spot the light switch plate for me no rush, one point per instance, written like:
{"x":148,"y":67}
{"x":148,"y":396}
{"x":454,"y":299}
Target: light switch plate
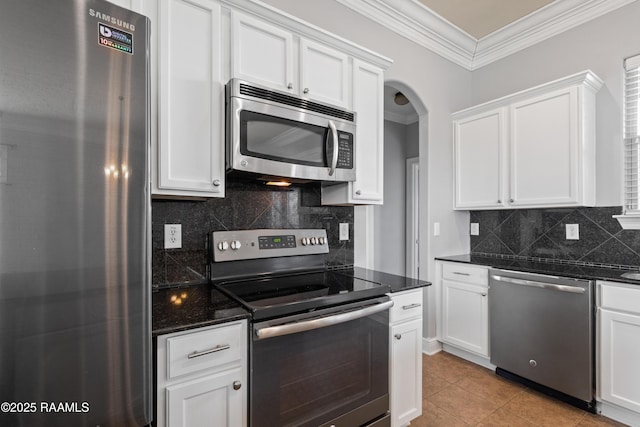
{"x":573,"y":231}
{"x":436,"y":228}
{"x":475,"y":229}
{"x":172,"y":236}
{"x":344,"y":231}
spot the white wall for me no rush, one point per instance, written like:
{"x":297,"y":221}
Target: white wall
{"x":599,"y":45}
{"x":443,"y":88}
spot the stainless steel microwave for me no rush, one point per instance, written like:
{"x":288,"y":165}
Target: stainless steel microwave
{"x":276,"y":134}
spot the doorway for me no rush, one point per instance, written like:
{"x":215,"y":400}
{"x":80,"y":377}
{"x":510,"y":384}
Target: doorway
{"x":395,"y":222}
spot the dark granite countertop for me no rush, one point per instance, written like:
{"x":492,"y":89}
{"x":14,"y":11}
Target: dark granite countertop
{"x":196,"y":305}
{"x":395,"y":282}
{"x":554,"y":269}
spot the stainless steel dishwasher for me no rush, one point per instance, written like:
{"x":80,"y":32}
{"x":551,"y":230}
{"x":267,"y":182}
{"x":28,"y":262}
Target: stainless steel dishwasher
{"x":542,"y":333}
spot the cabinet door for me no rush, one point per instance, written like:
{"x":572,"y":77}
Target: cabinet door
{"x":191,"y":103}
{"x":544,"y":150}
{"x":465,"y":321}
{"x":406,"y":372}
{"x":261,"y":53}
{"x":324,"y":73}
{"x":207,"y":401}
{"x":367,"y":189}
{"x":619,"y":356}
{"x":479,"y":144}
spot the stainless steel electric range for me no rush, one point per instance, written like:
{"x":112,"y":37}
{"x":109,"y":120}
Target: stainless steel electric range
{"x":319,"y":345}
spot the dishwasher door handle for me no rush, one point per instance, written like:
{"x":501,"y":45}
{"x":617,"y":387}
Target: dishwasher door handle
{"x":320,"y":322}
{"x":536,"y":284}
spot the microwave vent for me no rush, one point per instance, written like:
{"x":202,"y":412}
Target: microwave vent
{"x":293,"y":101}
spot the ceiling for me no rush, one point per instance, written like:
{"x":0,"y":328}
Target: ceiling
{"x":480,"y":18}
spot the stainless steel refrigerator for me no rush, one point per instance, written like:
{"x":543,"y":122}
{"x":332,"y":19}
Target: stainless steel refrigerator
{"x":75,"y":339}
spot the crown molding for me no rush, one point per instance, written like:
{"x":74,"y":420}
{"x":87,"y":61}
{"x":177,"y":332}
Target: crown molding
{"x":421,"y":25}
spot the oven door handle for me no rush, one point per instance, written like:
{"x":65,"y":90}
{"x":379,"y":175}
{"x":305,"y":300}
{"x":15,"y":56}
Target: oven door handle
{"x":320,"y":322}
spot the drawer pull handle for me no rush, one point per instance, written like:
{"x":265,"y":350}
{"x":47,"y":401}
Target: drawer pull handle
{"x":398,"y":336}
{"x":409,"y":307}
{"x":211,"y":350}
{"x":237,"y":385}
{"x":461,"y":274}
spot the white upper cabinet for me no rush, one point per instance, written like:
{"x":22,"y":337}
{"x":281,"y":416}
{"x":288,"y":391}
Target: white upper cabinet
{"x":533,"y":149}
{"x":189,"y":153}
{"x":479,"y":159}
{"x":545,"y":151}
{"x":278,"y":58}
{"x":261,"y":53}
{"x":324,"y":73}
{"x":368,"y":91}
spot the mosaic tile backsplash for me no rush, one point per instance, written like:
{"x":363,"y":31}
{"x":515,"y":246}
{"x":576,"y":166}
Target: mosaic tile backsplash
{"x":541,"y":233}
{"x":247,"y":205}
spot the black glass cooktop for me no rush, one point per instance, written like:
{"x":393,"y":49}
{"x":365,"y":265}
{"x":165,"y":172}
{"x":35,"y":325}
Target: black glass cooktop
{"x":281,"y":295}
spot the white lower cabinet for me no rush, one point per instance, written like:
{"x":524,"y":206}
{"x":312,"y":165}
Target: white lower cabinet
{"x":619,"y":349}
{"x":202,"y":377}
{"x":464,"y":314}
{"x":406,"y":357}
{"x":210,"y":400}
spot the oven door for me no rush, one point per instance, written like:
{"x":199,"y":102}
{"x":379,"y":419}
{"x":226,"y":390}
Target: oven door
{"x":277,"y":141}
{"x":325,"y":368}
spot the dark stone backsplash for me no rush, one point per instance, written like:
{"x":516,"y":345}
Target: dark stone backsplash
{"x":540,"y":233}
{"x":247,"y":205}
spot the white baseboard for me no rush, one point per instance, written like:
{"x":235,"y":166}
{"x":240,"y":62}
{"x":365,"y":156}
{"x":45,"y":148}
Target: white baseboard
{"x":471,"y":357}
{"x":431,"y":346}
{"x":618,"y":413}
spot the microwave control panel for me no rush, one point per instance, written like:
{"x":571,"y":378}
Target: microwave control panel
{"x":345,"y":150}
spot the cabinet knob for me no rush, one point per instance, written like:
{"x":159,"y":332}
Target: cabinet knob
{"x":358,"y":192}
{"x":290,"y":86}
{"x":306,"y":90}
{"x":397,"y":336}
{"x":216,"y":183}
{"x":499,"y":201}
{"x":484,"y":294}
{"x":511,"y":200}
{"x":237,"y":385}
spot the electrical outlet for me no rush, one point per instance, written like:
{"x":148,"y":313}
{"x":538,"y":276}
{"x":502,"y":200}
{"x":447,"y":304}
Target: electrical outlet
{"x":475,"y":229}
{"x":573,"y":231}
{"x":172,"y":236}
{"x":344,"y":231}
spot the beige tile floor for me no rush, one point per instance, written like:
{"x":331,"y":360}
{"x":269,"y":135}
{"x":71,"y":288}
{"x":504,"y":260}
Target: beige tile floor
{"x":459,"y":393}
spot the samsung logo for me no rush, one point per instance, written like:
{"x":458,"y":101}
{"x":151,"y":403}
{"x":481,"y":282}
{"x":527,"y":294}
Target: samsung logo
{"x":112,"y":20}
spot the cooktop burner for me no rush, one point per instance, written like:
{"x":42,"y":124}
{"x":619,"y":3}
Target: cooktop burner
{"x":280,"y":295}
{"x":274,"y":273}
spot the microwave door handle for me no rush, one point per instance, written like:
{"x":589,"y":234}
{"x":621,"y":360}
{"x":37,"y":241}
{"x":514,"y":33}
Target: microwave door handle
{"x":334,"y":137}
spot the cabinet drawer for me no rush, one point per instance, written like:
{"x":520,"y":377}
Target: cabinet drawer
{"x":620,"y":298}
{"x":406,"y":305}
{"x":196,"y":351}
{"x":465,"y":273}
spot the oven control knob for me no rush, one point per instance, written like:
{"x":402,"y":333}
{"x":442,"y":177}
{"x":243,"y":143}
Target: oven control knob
{"x":322,"y":240}
{"x":314,"y":241}
{"x":305,"y":241}
{"x":223,"y":246}
{"x":235,"y":245}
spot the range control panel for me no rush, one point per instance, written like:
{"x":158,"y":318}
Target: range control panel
{"x":267,"y":243}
